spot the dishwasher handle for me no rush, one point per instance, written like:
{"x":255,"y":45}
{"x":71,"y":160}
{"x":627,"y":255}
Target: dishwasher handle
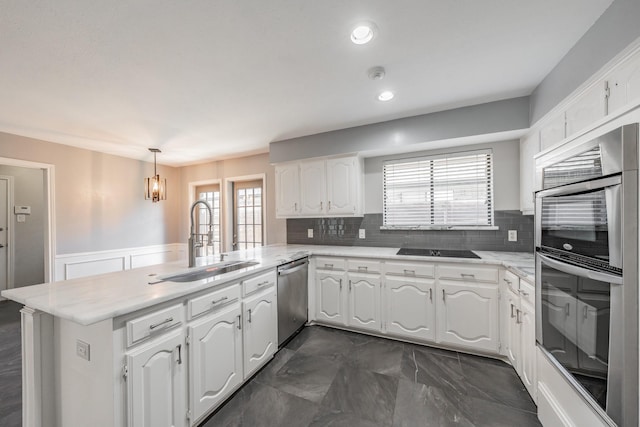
{"x":284,"y":270}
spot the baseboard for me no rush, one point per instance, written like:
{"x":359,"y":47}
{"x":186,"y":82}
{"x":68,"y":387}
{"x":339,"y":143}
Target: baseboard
{"x":83,"y":264}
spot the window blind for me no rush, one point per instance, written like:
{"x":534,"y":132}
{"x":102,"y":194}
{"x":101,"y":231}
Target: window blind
{"x":439,"y":191}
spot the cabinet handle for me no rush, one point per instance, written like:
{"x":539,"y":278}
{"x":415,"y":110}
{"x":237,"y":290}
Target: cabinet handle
{"x":567,"y":309}
{"x":512,"y":307}
{"x":443,"y":295}
{"x":239,"y":322}
{"x":508,"y":281}
{"x":430,"y":294}
{"x":585,"y":312}
{"x":526,"y":294}
{"x":216,"y":301}
{"x":410,"y":272}
{"x":473,"y":276}
{"x":518,"y":320}
{"x":362,"y":269}
{"x":340,"y":284}
{"x":179,"y":354}
{"x":349,"y":285}
{"x":320,"y":205}
{"x":249,"y":316}
{"x":167,"y":320}
{"x":295,"y":207}
{"x":329,"y":205}
{"x":328,"y":266}
{"x":266,"y":282}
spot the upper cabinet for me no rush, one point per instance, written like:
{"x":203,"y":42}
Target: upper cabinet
{"x":588,"y":109}
{"x":319,"y":188}
{"x":529,"y":147}
{"x":553,"y":132}
{"x":624,"y":84}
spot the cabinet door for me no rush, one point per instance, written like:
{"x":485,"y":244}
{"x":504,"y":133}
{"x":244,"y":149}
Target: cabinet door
{"x":587,"y":110}
{"x":313,"y":190}
{"x":364,"y":301}
{"x":529,"y":147}
{"x":329,"y":297}
{"x":468,"y":315}
{"x":624,"y":84}
{"x":260,"y":336}
{"x":410,"y":308}
{"x":342,"y":186}
{"x":156,"y":384}
{"x":528,"y":372}
{"x":215,"y":359}
{"x":287,"y":190}
{"x":553,"y":132}
{"x":513,"y":344}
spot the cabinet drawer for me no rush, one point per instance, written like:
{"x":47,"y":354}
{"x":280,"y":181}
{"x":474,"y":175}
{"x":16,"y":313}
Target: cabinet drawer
{"x":527,"y":291}
{"x":326,"y":263}
{"x":468,"y":273}
{"x":143,"y":327}
{"x":213,"y":301}
{"x":262,"y":281}
{"x":511,"y":280}
{"x":410,"y":269}
{"x":363,"y":266}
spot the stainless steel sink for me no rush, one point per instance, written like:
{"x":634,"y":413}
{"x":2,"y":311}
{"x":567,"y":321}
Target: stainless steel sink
{"x":205,"y":272}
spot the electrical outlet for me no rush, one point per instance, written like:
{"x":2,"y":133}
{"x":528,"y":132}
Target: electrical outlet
{"x":361,"y":233}
{"x":82,"y":349}
{"x":310,"y":233}
{"x":513,"y":235}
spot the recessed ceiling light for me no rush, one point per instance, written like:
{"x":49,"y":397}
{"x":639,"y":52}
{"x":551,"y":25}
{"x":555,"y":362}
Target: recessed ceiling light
{"x":363,"y":33}
{"x":387,"y":95}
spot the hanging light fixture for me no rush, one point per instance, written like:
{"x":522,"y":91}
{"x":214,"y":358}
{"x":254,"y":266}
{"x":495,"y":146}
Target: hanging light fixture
{"x":154,"y":187}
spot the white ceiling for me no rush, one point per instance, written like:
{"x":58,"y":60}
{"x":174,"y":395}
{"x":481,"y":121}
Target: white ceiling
{"x":209,"y":79}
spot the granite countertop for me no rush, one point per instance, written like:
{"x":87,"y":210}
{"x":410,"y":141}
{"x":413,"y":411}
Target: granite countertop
{"x":92,"y":299}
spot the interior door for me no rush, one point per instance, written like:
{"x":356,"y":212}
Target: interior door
{"x":5,"y":265}
{"x":247,"y":214}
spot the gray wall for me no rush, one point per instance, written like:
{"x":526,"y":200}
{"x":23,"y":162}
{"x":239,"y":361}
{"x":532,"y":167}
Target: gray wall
{"x":28,"y":190}
{"x":618,"y":26}
{"x":493,"y":117}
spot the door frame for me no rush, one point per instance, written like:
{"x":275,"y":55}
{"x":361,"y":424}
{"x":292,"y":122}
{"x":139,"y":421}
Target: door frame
{"x":227,"y":205}
{"x":191,"y":198}
{"x":50,"y":220}
{"x":10,"y":233}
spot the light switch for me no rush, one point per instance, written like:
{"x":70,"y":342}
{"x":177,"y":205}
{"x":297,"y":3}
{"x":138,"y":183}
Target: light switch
{"x":82,"y":349}
{"x":513,"y":235}
{"x":361,"y":233}
{"x":310,"y":233}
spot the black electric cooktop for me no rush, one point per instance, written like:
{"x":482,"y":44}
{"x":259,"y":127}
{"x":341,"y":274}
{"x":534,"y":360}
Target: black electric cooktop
{"x":447,"y":253}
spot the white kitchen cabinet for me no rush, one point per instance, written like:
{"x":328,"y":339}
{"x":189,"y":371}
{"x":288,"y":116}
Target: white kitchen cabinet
{"x":513,"y":346}
{"x":586,"y":110}
{"x":342,"y":186}
{"x":329,"y":297}
{"x":624,"y":84}
{"x":529,"y":147}
{"x":364,"y":301}
{"x":260,"y":334}
{"x":288,"y":189}
{"x":215,"y":359}
{"x":467,"y":315}
{"x":553,"y":131}
{"x":528,"y":370}
{"x":157,"y":391}
{"x":313,"y":188}
{"x":410,"y":307}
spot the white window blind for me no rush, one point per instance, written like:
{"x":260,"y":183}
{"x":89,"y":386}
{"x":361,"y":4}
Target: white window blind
{"x":452,"y":190}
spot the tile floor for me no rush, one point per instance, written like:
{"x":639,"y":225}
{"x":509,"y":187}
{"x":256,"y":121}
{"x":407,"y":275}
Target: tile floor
{"x":328,"y":377}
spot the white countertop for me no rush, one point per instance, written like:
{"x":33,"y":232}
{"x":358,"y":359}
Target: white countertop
{"x":92,"y":299}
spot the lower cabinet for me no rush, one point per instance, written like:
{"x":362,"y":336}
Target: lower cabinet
{"x":364,"y":301}
{"x":513,"y":329}
{"x":528,"y":371}
{"x":157,"y":388}
{"x":468,"y":315}
{"x":215,"y":359}
{"x":329,"y":297}
{"x":260,"y":335}
{"x":410,"y":308}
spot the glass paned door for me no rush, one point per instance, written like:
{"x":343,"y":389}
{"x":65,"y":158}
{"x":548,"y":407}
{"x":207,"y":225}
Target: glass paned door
{"x":210,"y":194}
{"x":248,"y":205}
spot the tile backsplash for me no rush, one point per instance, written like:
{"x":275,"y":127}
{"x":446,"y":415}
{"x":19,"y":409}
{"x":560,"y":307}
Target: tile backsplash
{"x":344,"y":232}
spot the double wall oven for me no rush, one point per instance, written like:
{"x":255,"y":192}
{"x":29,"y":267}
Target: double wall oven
{"x":587,"y":269}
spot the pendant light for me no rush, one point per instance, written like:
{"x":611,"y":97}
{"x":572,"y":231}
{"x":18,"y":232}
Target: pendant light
{"x":154,"y":187}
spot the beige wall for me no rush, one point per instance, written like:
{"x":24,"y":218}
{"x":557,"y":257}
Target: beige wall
{"x":98,"y":197}
{"x":275,"y":228}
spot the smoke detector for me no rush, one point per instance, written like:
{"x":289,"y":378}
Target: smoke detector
{"x":376,"y":73}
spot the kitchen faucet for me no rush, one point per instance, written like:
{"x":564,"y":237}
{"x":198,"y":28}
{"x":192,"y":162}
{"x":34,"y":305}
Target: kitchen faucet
{"x":193,"y":238}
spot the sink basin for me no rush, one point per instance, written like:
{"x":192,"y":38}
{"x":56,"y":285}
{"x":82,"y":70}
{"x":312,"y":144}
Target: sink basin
{"x":206,"y":272}
{"x":447,"y":253}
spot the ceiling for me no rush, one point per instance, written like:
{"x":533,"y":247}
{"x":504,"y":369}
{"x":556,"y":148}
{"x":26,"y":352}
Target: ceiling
{"x":212,"y":79}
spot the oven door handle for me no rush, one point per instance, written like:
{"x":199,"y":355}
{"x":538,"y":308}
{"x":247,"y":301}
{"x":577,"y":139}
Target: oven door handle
{"x":580,"y":187}
{"x":580,"y":271}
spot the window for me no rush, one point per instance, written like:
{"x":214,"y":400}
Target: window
{"x":446,"y":191}
{"x":211,"y":195}
{"x":248,"y":214}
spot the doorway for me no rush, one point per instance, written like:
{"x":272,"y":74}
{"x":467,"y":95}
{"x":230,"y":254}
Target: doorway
{"x":6,"y":241}
{"x":245,"y":210}
{"x":210,"y":193}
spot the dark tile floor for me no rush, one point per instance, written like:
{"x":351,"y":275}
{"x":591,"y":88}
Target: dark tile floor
{"x":10,"y":365}
{"x":327,"y":377}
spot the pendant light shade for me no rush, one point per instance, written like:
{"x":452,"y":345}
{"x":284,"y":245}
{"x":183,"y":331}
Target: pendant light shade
{"x":155,"y":189}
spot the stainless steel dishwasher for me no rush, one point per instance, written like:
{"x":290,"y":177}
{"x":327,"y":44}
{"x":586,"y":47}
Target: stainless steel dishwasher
{"x":292,"y":298}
